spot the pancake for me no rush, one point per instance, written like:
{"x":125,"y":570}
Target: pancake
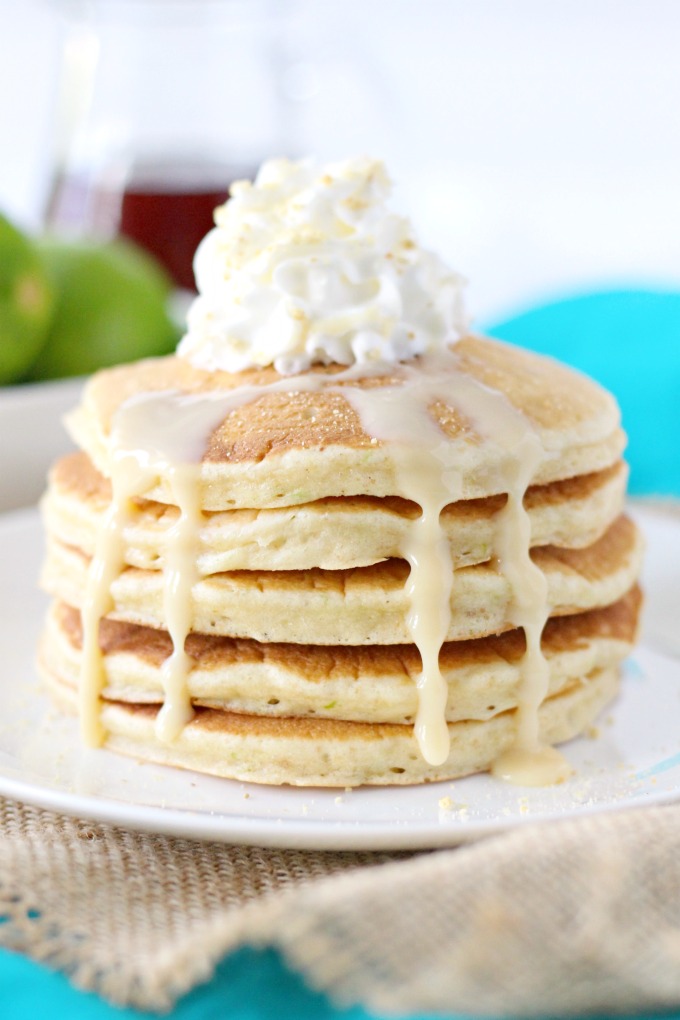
{"x":375,"y":684}
{"x":287,"y":447}
{"x":335,"y":533}
{"x":328,"y":752}
{"x":365,"y":606}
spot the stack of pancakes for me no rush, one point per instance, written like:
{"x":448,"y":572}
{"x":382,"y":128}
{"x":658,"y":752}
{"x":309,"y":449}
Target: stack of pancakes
{"x":303,"y":670}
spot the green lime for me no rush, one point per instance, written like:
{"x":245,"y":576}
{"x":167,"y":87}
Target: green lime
{"x":25,"y":303}
{"x":111,"y":307}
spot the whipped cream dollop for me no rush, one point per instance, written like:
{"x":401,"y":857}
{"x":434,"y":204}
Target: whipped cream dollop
{"x":308,"y":264}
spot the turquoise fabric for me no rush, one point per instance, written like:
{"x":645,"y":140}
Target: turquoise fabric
{"x":249,"y":985}
{"x":629,"y":340}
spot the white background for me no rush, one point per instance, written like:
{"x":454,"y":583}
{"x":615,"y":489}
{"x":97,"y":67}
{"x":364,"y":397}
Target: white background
{"x":535,"y":142}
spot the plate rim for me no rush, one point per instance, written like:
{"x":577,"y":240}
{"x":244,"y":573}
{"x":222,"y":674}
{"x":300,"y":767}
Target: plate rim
{"x":292,"y":834}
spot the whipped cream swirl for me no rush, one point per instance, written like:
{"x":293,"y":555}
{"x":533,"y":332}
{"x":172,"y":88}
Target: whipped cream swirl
{"x":307,"y":264}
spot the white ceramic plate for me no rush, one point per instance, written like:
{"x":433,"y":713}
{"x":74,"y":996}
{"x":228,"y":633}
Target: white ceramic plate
{"x":635,"y":759}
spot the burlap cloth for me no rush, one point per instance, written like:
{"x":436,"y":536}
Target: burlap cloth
{"x":582,"y":915}
{"x":575,"y":916}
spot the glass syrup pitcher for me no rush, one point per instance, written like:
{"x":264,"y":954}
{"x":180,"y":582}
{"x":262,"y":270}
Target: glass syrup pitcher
{"x":163,"y":104}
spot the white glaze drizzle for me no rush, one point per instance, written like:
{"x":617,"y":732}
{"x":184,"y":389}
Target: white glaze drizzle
{"x":426,"y":473}
{"x":528,"y":762}
{"x":127,"y":479}
{"x":148,"y":441}
{"x":164,"y":434}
